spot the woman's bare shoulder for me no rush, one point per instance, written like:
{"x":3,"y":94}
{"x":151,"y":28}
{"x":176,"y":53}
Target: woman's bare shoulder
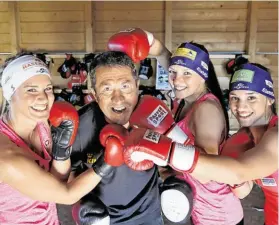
{"x":209,"y":109}
{"x":271,"y":136}
{"x":10,"y":155}
{"x":7,"y":147}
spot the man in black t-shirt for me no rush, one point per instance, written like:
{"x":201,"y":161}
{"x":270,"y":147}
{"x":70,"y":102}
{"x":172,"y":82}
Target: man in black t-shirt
{"x":126,"y":196}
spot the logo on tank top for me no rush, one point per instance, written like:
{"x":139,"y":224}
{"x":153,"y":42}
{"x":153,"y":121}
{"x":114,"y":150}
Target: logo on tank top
{"x":152,"y":136}
{"x":156,"y":117}
{"x":270,"y":182}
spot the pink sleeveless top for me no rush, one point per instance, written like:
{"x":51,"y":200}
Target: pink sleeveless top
{"x":214,"y":203}
{"x":17,"y":209}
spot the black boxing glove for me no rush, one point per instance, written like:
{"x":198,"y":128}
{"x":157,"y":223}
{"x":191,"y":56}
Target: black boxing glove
{"x":146,"y":70}
{"x":64,"y":122}
{"x":90,"y":210}
{"x":43,"y":56}
{"x":68,"y":67}
{"x":176,"y":201}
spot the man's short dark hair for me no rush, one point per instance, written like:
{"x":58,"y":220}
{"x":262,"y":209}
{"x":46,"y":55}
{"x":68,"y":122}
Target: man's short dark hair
{"x":111,"y":59}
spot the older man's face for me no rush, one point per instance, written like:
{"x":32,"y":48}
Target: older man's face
{"x":116,"y":92}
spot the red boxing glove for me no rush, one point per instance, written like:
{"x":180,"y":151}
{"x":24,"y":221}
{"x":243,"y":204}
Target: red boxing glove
{"x":134,"y":42}
{"x":144,"y":147}
{"x":153,"y":114}
{"x":112,"y":137}
{"x":64,"y":122}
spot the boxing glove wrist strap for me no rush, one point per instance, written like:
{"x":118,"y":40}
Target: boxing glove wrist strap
{"x":61,"y":154}
{"x":177,"y":135}
{"x":101,"y":168}
{"x":150,"y":38}
{"x":183,"y":157}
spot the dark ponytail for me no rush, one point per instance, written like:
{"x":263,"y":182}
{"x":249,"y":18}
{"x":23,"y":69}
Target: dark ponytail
{"x":213,"y":85}
{"x":273,"y":108}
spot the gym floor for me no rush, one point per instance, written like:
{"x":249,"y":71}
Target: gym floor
{"x":252,"y":216}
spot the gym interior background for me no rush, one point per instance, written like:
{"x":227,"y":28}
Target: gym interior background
{"x":226,"y":28}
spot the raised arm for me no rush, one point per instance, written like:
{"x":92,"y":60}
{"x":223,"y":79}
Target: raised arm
{"x":160,"y":51}
{"x":138,"y":44}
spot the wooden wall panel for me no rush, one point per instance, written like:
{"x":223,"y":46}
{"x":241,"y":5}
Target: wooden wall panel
{"x":209,"y":5}
{"x":128,"y":5}
{"x":267,"y":29}
{"x":268,"y":4}
{"x":44,"y":27}
{"x":267,"y":25}
{"x":228,"y":37}
{"x":221,"y":26}
{"x":5,"y":42}
{"x":208,"y":23}
{"x":210,"y":26}
{"x":114,"y":26}
{"x":50,"y":6}
{"x":111,"y":17}
{"x":267,"y":39}
{"x":52,"y":26}
{"x":268,"y":14}
{"x":209,"y":14}
{"x":267,"y":47}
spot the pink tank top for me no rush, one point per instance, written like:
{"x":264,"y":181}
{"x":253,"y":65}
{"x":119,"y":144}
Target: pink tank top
{"x":214,"y":203}
{"x":17,"y":209}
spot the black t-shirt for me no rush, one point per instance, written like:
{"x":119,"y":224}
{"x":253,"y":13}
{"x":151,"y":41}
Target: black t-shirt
{"x":131,"y":196}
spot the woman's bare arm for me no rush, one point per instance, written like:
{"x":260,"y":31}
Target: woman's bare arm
{"x":61,"y":169}
{"x":255,"y":163}
{"x":209,"y":124}
{"x":162,"y":54}
{"x":22,"y":173}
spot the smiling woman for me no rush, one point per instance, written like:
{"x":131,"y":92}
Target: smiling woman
{"x":27,"y":88}
{"x":249,"y":93}
{"x":36,"y":137}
